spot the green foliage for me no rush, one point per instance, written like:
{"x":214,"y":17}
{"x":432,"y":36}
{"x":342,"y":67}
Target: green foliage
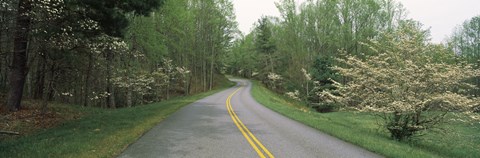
{"x":196,"y":35}
{"x":143,"y":36}
{"x":322,"y":76}
{"x":323,"y":73}
{"x":242,"y":59}
{"x":322,"y":70}
{"x":392,"y":58}
{"x":326,"y":107}
{"x":263,"y":37}
{"x":314,"y":29}
{"x":70,"y":42}
{"x":83,"y":48}
{"x":265,"y":47}
{"x":110,"y":14}
{"x":466,"y":40}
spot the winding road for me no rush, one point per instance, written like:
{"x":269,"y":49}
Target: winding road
{"x":232,"y":124}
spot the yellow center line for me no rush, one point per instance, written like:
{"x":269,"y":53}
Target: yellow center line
{"x":244,"y":130}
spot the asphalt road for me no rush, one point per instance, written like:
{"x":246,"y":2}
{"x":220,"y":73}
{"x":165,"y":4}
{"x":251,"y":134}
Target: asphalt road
{"x":209,"y":128}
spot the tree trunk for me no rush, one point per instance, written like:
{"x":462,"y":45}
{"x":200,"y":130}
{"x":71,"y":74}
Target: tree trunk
{"x":188,"y":80}
{"x":192,"y":79}
{"x":168,"y":88}
{"x":129,"y":95}
{"x":40,"y":78}
{"x":3,"y":70}
{"x":129,"y":72}
{"x":86,"y":100}
{"x":204,"y":71}
{"x":110,"y":90}
{"x":48,"y":93}
{"x":210,"y":86}
{"x":271,"y":63}
{"x":205,"y":75}
{"x":19,"y":62}
{"x":4,"y":31}
{"x":2,"y":55}
{"x":111,"y":97}
{"x":308,"y":91}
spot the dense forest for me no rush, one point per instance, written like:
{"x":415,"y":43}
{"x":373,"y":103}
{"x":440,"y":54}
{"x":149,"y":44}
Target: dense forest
{"x":111,"y":53}
{"x":363,"y":55}
{"x":291,"y":52}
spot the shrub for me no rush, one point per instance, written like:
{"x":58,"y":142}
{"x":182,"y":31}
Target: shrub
{"x":325,"y":107}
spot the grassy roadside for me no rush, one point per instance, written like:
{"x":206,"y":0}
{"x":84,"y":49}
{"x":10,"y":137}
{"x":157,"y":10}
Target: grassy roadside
{"x":101,"y":133}
{"x":463,"y":140}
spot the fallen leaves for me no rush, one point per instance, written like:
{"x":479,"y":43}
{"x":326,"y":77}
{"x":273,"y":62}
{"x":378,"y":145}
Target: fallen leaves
{"x":31,"y":118}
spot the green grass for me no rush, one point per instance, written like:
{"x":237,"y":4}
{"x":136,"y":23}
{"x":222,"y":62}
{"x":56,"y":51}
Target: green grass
{"x":460,"y":140}
{"x":101,"y":133}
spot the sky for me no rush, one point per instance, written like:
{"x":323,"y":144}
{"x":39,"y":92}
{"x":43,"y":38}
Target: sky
{"x":441,"y":16}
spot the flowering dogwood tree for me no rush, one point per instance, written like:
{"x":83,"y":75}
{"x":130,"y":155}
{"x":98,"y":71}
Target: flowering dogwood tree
{"x":274,"y":79}
{"x":403,"y":86}
{"x":150,"y":86}
{"x":308,"y":78}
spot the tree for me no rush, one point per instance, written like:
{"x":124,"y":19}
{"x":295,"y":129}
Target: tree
{"x":8,"y":11}
{"x":312,"y":31}
{"x":465,"y":42}
{"x":323,"y":75}
{"x":197,"y":34}
{"x":19,"y":62}
{"x":403,"y":85}
{"x":109,"y":15}
{"x":265,"y":45}
{"x":243,"y":58}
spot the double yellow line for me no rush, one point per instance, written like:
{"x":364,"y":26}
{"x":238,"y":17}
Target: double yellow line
{"x":246,"y":133}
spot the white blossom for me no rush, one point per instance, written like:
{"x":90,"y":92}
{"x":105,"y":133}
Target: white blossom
{"x":294,"y":95}
{"x":307,"y":75}
{"x":274,"y":77}
{"x":100,"y":95}
{"x":68,"y":94}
